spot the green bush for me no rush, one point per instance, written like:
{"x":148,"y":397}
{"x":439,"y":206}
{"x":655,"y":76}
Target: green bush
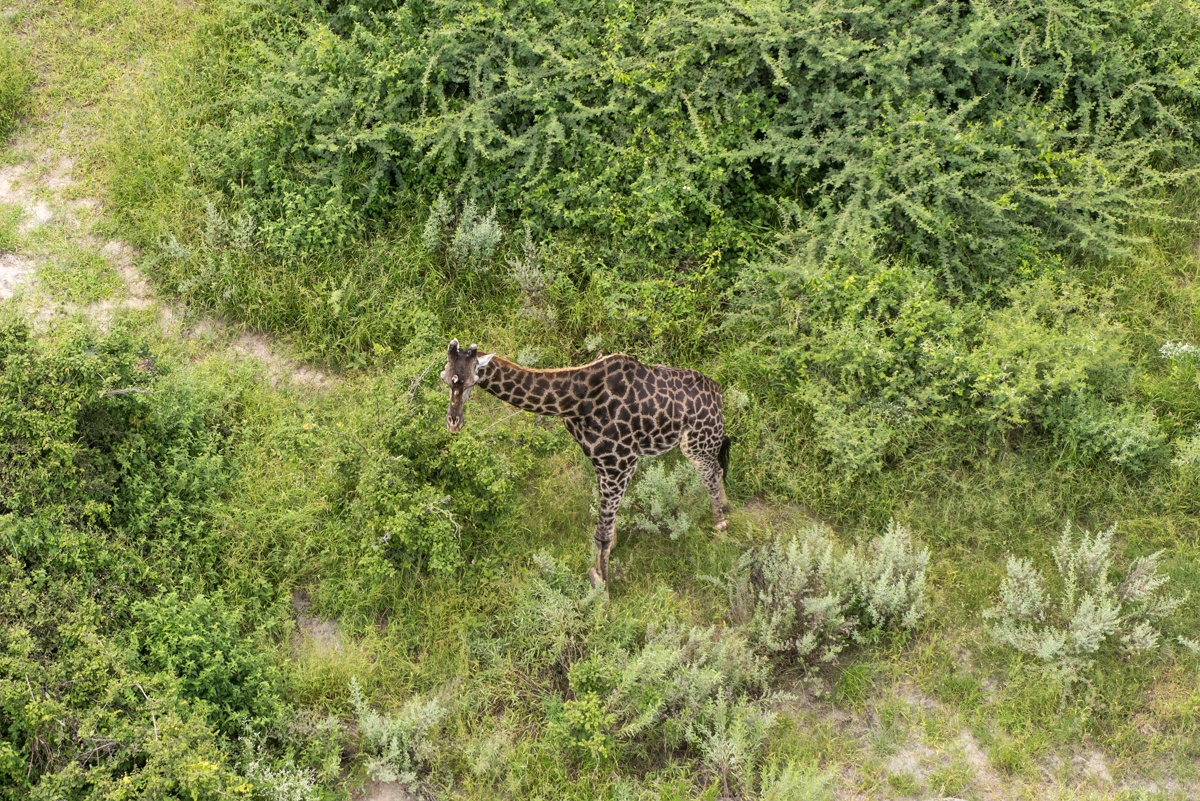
{"x":113,"y":469}
{"x":1055,"y":337}
{"x":82,"y":714}
{"x":180,"y":757}
{"x":200,"y":642}
{"x":422,"y":495}
{"x":670,"y":123}
{"x":1124,"y":435}
{"x":892,"y":227}
{"x":91,"y":435}
{"x":881,"y":356}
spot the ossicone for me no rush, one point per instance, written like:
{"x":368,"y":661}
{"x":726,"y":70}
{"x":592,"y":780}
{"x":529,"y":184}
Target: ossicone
{"x":453,"y":349}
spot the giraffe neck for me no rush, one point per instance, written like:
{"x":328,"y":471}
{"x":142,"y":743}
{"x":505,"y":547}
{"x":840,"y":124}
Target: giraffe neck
{"x":540,"y":391}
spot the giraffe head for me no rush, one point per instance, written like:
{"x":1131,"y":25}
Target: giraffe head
{"x":461,"y":374}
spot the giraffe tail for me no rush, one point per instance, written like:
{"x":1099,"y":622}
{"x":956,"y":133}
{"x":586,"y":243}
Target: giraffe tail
{"x":723,"y":456}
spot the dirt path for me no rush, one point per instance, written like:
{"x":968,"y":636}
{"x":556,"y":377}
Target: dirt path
{"x":58,"y":266}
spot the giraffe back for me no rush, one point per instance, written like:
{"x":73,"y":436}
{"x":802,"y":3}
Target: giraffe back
{"x":622,"y":406}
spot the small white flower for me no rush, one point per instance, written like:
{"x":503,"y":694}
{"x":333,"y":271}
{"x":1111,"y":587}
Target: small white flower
{"x":1174,"y":350}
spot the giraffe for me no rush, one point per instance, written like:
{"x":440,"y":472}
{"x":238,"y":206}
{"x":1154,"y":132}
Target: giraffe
{"x":617,"y":409}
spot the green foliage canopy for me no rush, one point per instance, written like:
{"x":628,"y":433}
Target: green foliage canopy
{"x":111,"y":472}
{"x":962,"y":133}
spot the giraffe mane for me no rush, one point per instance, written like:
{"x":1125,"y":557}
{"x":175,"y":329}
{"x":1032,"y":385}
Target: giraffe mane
{"x":547,"y":370}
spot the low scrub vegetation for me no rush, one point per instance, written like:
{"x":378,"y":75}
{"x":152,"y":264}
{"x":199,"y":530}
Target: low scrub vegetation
{"x":804,"y":602}
{"x":1067,"y":624}
{"x":940,"y":255}
{"x":400,"y":744}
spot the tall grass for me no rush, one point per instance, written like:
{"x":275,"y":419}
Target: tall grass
{"x":16,"y":78}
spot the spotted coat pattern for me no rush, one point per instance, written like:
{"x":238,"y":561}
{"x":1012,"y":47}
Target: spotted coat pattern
{"x":617,"y":409}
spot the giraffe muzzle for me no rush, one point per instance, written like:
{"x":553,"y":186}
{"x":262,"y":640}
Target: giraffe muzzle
{"x":454,"y":414}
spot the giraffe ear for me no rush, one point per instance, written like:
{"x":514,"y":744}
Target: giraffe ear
{"x":453,"y":349}
{"x":483,"y":361}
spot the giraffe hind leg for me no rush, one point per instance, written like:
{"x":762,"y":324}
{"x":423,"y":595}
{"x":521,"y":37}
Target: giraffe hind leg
{"x":708,"y":464}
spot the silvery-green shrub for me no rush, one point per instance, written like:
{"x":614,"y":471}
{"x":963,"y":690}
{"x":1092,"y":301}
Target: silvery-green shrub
{"x":466,"y":238}
{"x":793,"y":782}
{"x":398,"y":746}
{"x":636,"y":681}
{"x":664,"y":500}
{"x":1065,"y":624}
{"x":534,"y":281}
{"x":476,"y":236}
{"x":888,"y":578}
{"x":729,"y":735}
{"x":802,"y":600}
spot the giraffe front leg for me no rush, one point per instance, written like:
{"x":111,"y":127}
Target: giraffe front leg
{"x":613,"y":481}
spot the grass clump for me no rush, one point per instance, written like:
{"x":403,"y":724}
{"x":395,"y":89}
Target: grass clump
{"x":11,"y":217}
{"x":16,"y":78}
{"x":1084,"y":612}
{"x":79,"y":275}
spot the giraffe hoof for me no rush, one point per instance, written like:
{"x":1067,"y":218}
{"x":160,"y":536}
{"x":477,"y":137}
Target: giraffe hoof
{"x":724,"y":524}
{"x":595,"y":578}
